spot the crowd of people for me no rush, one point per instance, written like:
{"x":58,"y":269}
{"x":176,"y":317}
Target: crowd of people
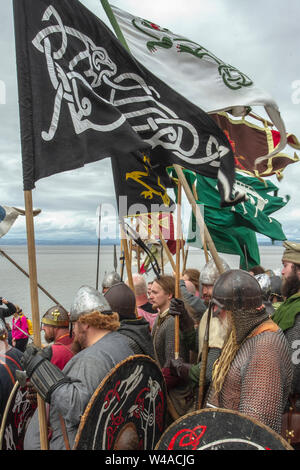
{"x":237,"y":329}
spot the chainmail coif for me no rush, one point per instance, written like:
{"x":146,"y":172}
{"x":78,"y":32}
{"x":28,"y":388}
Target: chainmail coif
{"x":259,"y":379}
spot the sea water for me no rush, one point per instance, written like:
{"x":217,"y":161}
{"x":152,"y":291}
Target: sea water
{"x":61,"y":270}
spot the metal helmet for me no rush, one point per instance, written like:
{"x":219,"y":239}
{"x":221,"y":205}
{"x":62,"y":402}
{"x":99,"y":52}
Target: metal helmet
{"x":110,"y":279}
{"x":210,"y":273}
{"x":240,"y":293}
{"x":56,"y":316}
{"x":276,"y":282}
{"x":87,"y":300}
{"x":3,"y":330}
{"x":121,"y":299}
{"x":265,"y":284}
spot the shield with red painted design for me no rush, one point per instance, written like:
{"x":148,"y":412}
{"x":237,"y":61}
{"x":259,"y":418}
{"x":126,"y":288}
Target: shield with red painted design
{"x":220,"y":429}
{"x":128,"y":409}
{"x":16,"y":417}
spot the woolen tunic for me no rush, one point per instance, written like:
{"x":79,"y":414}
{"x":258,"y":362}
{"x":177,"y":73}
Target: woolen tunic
{"x":88,"y":368}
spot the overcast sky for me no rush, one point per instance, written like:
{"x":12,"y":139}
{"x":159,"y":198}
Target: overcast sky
{"x":261,"y":38}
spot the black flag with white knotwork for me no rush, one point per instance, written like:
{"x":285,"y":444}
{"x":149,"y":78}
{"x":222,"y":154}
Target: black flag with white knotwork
{"x":83,"y":98}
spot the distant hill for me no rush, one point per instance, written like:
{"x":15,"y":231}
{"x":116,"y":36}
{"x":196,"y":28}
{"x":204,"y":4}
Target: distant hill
{"x":106,"y":241}
{"x":22,"y":241}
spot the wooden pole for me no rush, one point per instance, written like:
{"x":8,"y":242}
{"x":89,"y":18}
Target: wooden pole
{"x":204,"y":356}
{"x":26,"y":274}
{"x":182,"y":249}
{"x":177,"y":271}
{"x":35,"y":308}
{"x":127,"y":258}
{"x":164,"y":244}
{"x":246,"y":257}
{"x":199,"y":218}
{"x":138,"y":252}
{"x":127,"y":262}
{"x":98,"y":252}
{"x":185,"y":258}
{"x":162,"y":260}
{"x":122,"y":259}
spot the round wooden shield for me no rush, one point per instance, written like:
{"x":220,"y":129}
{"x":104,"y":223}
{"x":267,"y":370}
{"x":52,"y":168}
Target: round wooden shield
{"x":128,"y":409}
{"x":219,"y":429}
{"x":16,"y":416}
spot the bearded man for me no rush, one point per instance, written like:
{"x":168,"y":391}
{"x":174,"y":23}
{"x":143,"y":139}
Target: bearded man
{"x":218,"y":330}
{"x":68,"y":391}
{"x":287,"y":315}
{"x":55,"y":324}
{"x":253,"y":373}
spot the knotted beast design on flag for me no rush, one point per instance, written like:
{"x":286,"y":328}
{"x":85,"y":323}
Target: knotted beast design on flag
{"x":83,"y":98}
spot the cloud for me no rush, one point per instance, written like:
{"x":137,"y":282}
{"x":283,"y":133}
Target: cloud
{"x":260,"y":39}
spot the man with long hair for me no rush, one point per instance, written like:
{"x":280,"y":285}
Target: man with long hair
{"x":253,"y":372}
{"x":188,"y":371}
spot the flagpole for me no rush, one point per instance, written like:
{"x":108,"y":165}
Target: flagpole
{"x":164,"y":244}
{"x":26,"y":274}
{"x":138,"y":253}
{"x":162,"y":259}
{"x":98,"y":253}
{"x":177,"y":278}
{"x":35,"y":308}
{"x":185,"y":258}
{"x":121,"y":38}
{"x":127,"y":262}
{"x":122,"y":259}
{"x":199,"y":217}
{"x":246,"y":257}
{"x":115,"y":258}
{"x":107,"y":8}
{"x":204,"y":356}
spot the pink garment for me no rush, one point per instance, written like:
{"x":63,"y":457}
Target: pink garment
{"x":21,"y":322}
{"x":150,"y":317}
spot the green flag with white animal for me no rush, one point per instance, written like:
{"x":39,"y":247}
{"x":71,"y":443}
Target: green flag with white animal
{"x":233,"y":229}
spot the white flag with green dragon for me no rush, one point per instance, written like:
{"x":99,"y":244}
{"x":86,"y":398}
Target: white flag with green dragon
{"x":193,"y":71}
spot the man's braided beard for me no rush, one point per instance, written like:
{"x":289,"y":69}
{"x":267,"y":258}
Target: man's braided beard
{"x":222,"y":365}
{"x":291,"y":285}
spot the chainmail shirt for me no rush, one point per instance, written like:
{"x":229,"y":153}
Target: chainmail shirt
{"x":163,"y":334}
{"x":259,"y":379}
{"x":293,"y":336}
